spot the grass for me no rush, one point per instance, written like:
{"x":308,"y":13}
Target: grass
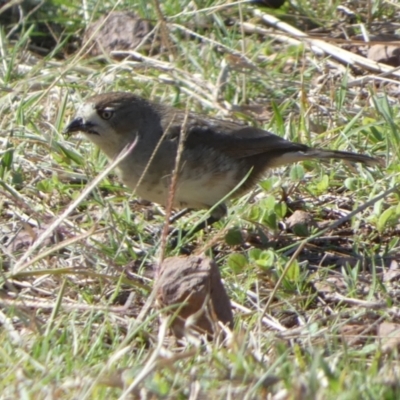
{"x":72,"y":316}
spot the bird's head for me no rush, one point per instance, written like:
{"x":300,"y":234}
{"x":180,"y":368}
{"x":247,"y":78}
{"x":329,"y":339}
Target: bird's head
{"x":113,"y":120}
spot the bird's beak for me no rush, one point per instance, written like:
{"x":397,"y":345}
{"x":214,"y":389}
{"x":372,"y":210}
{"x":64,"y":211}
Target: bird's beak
{"x":75,"y":125}
{"x":78,"y":125}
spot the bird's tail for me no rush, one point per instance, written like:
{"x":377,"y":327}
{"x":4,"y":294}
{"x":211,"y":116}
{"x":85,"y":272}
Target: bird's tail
{"x":343,"y":155}
{"x":307,"y":153}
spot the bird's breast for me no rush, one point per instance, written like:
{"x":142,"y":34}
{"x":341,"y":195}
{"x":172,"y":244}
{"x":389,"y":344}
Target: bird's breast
{"x":205,"y":177}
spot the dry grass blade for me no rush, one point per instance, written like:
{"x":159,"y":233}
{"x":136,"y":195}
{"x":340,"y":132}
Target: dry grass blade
{"x":339,"y":54}
{"x":173,"y":186}
{"x":53,"y":249}
{"x":21,"y":263}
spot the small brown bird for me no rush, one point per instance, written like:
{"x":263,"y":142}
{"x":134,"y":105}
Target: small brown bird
{"x":217,"y":155}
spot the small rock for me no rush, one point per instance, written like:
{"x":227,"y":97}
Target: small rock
{"x":118,"y":30}
{"x":389,"y":335}
{"x":190,"y":281}
{"x":393,"y":273}
{"x":385,"y":53}
{"x":300,"y":222}
{"x":27,"y":236}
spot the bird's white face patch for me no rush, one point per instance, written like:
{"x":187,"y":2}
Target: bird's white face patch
{"x":87,"y":111}
{"x":99,"y":130}
{"x":89,"y":115}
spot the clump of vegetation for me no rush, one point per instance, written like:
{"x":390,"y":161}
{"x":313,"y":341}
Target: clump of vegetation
{"x":314,"y":298}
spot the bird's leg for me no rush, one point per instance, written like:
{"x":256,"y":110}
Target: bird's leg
{"x":202,"y":225}
{"x":218,"y":213}
{"x":179,"y":215}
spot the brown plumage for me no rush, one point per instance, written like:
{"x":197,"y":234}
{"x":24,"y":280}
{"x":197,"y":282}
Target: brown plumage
{"x":217,"y":154}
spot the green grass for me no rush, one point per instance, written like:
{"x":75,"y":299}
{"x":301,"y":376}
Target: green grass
{"x":69,"y":317}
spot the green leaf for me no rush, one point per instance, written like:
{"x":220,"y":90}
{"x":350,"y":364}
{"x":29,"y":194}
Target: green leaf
{"x":237,"y":262}
{"x":266,"y":259}
{"x":323,"y":184}
{"x":280,"y":209}
{"x":301,"y":230}
{"x":17,"y":178}
{"x":297,"y":173}
{"x":378,"y":207}
{"x":376,"y":135}
{"x":234,"y":237}
{"x":384,"y":218}
{"x":280,"y":125}
{"x":254,"y":254}
{"x":268,"y":203}
{"x":351,"y":183}
{"x":7,"y":159}
{"x":254,"y":213}
{"x":270,"y":220}
{"x":45,"y":185}
{"x":293,"y":272}
{"x":72,"y":155}
{"x":266,"y":185}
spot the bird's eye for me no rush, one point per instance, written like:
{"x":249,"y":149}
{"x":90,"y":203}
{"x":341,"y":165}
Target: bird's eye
{"x":106,"y":114}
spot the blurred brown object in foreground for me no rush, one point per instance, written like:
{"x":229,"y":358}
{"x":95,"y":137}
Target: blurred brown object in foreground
{"x":194,"y":285}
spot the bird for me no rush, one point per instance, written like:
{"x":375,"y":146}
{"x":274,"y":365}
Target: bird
{"x":219,"y":157}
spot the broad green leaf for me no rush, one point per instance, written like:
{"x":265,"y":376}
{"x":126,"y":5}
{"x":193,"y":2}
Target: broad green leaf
{"x":237,"y":262}
{"x":384,"y":218}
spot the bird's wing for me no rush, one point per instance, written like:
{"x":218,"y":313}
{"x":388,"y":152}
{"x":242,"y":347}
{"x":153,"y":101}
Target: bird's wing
{"x":234,"y":140}
{"x":249,"y":141}
{"x":261,"y":149}
{"x":243,"y":142}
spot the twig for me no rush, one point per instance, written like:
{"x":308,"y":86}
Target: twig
{"x":375,"y":305}
{"x":173,"y":186}
{"x":68,"y":307}
{"x":338,"y":53}
{"x":267,"y":321}
{"x":165,"y":37}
